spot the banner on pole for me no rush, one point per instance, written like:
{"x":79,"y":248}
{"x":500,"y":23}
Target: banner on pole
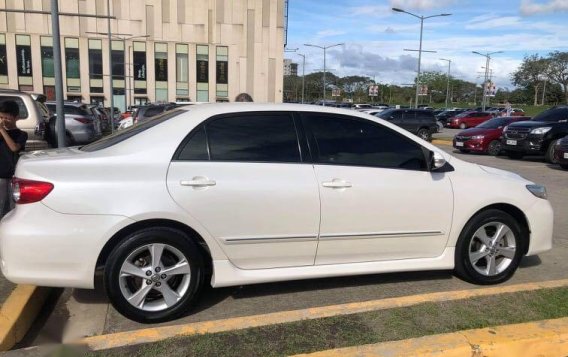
{"x":423,"y":89}
{"x":490,"y":89}
{"x":374,"y":91}
{"x":336,"y":92}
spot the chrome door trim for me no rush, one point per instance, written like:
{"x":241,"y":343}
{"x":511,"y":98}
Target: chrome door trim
{"x":342,"y":236}
{"x":269,"y":239}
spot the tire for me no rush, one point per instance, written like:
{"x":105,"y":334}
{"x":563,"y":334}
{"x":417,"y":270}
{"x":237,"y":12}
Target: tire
{"x":440,"y":126}
{"x":463,"y":126}
{"x":424,"y":134}
{"x":480,"y":259}
{"x":514,"y":155}
{"x":150,"y":280}
{"x":564,"y":166}
{"x":464,"y":151}
{"x":549,"y":155}
{"x":494,"y":148}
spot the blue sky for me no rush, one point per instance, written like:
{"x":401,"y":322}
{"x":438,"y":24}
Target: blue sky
{"x":375,"y":37}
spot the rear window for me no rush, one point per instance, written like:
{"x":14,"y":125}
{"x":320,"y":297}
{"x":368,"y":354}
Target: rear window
{"x":23,"y":110}
{"x":122,"y":135}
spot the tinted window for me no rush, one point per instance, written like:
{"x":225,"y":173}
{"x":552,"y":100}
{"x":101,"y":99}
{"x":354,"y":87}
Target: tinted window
{"x":150,"y":112}
{"x":268,"y":137}
{"x":23,"y":110}
{"x":553,"y":115}
{"x":196,"y":147}
{"x":348,"y":141}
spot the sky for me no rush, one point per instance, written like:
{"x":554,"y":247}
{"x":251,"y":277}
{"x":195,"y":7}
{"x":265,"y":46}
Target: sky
{"x":374,"y":36}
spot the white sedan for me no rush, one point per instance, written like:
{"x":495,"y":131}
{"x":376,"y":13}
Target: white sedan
{"x":232,"y":194}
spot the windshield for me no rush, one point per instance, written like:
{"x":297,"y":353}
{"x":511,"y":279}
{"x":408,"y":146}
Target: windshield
{"x":494,"y":123}
{"x":136,"y":129}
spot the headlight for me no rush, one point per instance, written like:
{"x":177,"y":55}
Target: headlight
{"x":541,"y":131}
{"x":538,"y":190}
{"x":505,"y":128}
{"x":478,"y":137}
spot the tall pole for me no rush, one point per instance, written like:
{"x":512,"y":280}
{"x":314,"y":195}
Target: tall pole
{"x":324,"y":49}
{"x":110,"y":70}
{"x":543,"y":91}
{"x":419,"y":60}
{"x":303,"y":74}
{"x":60,"y":121}
{"x":487,"y":60}
{"x":448,"y":80}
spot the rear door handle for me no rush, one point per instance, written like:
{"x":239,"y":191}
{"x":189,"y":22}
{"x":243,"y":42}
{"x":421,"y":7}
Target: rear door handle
{"x":198,"y":182}
{"x":336,"y":183}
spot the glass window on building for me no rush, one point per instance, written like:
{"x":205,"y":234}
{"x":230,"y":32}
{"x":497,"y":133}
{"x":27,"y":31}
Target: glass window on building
{"x":47,"y":66}
{"x":24,"y":56}
{"x":140,"y":67}
{"x":202,"y":78}
{"x":222,"y":72}
{"x":182,"y":72}
{"x":3,"y":60}
{"x":117,"y":60}
{"x":95,"y":59}
{"x":72,"y":65}
{"x":161,"y":62}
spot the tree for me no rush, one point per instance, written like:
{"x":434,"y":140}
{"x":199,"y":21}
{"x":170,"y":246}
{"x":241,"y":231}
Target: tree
{"x":531,"y":73}
{"x":558,"y":70}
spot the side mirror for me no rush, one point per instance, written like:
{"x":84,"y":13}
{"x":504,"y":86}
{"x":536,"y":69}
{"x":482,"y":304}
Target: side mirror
{"x":437,"y":161}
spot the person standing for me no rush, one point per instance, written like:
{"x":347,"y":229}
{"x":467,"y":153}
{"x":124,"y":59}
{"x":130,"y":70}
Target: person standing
{"x":243,"y":97}
{"x":12,"y":142}
{"x":508,"y":108}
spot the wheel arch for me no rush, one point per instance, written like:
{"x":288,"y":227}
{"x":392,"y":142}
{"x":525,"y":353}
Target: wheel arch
{"x":167,"y":223}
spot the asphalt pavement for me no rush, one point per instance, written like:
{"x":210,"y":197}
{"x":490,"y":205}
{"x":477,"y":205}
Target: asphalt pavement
{"x":79,"y":313}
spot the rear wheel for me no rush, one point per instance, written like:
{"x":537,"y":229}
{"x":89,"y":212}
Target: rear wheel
{"x":490,"y":248}
{"x":494,"y":148}
{"x":549,"y":155}
{"x":514,"y":155}
{"x":463,"y":126}
{"x":154,"y":275}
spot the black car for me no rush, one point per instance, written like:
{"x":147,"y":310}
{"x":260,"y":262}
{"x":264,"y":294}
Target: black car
{"x":536,"y":136}
{"x":418,"y":121}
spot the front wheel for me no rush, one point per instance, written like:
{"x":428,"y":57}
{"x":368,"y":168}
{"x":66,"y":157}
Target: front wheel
{"x":154,"y":275}
{"x":490,"y":248}
{"x":463,"y":126}
{"x":549,"y":155}
{"x":494,"y":148}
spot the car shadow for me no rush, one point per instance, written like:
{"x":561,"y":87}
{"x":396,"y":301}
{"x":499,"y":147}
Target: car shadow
{"x":529,"y":262}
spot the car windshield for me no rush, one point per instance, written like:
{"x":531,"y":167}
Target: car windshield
{"x":494,"y":123}
{"x":136,"y":129}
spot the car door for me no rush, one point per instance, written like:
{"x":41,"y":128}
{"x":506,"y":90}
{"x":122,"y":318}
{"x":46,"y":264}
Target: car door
{"x":243,"y":178}
{"x":378,"y":201}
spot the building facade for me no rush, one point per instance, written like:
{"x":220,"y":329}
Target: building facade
{"x":161,"y":50}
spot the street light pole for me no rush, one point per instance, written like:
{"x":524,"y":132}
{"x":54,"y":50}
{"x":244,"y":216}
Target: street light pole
{"x":448,"y":80}
{"x":487,"y":60}
{"x":324,"y":48}
{"x":303,"y":74}
{"x":60,"y":121}
{"x":421,"y":18}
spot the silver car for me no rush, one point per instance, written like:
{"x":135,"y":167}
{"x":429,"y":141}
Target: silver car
{"x":81,"y":126}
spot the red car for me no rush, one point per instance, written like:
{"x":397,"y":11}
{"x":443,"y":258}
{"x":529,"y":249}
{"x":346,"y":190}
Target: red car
{"x":484,"y":138}
{"x":561,"y":152}
{"x":468,"y":119}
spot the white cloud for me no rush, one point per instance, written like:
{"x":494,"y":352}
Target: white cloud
{"x":420,"y":4}
{"x":371,"y":10}
{"x":329,"y":33}
{"x":529,"y":7}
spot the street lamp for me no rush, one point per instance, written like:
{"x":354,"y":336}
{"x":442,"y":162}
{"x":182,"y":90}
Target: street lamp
{"x":448,"y":84}
{"x":487,"y":60}
{"x":303,"y":74}
{"x":422,"y":18}
{"x":324,"y":48}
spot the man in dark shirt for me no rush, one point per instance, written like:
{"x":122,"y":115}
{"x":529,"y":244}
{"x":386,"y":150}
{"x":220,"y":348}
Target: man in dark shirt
{"x":12,"y":141}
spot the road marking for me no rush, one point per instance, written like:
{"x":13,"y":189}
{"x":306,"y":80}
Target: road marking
{"x":129,"y":338}
{"x":442,"y":142}
{"x":19,"y":312}
{"x":540,"y":338}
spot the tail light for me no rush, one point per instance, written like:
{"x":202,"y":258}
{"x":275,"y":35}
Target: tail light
{"x":83,"y":120}
{"x":28,"y":191}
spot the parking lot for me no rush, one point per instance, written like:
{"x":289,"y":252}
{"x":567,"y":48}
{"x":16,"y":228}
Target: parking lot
{"x":77,"y":313}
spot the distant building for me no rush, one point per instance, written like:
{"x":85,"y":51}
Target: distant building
{"x":162,"y":50}
{"x":290,"y":68}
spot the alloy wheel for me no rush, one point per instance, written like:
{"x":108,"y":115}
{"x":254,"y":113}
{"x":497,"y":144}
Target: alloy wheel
{"x":492,"y":248}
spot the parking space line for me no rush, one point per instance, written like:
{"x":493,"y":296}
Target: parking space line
{"x":155,"y":334}
{"x":540,"y":338}
{"x":19,"y":312}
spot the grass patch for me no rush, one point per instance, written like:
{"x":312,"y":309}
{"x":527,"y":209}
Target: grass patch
{"x":363,"y":328}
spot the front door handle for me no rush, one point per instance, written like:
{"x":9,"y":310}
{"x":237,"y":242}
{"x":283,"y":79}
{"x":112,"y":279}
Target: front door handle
{"x":336,"y":183}
{"x":198,"y":182}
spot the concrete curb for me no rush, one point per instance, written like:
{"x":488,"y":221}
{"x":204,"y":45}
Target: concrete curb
{"x":442,"y":142}
{"x":130,"y":338}
{"x":18,"y":313}
{"x":540,"y":338}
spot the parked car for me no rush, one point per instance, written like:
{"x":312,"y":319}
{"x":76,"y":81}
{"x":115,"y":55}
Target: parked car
{"x":537,"y":136}
{"x":421,"y":123}
{"x":362,"y":106}
{"x":102,"y":117}
{"x":447,"y":115}
{"x":246,"y":193}
{"x":81,"y":125}
{"x":561,"y":152}
{"x":484,"y":138}
{"x":468,"y":119}
{"x":145,"y":112}
{"x":32,"y":113}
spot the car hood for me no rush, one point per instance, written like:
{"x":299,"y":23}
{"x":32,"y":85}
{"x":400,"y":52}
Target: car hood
{"x":504,"y":174}
{"x":476,"y":131}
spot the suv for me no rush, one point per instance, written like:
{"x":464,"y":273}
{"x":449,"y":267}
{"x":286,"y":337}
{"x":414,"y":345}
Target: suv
{"x":31,"y":116}
{"x":536,"y":136}
{"x":82,"y":126}
{"x":418,"y":121}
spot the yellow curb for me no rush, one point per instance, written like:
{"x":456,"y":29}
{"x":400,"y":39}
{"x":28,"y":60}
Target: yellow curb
{"x":540,"y":338}
{"x":442,"y":142}
{"x":129,"y":338}
{"x":18,"y":313}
